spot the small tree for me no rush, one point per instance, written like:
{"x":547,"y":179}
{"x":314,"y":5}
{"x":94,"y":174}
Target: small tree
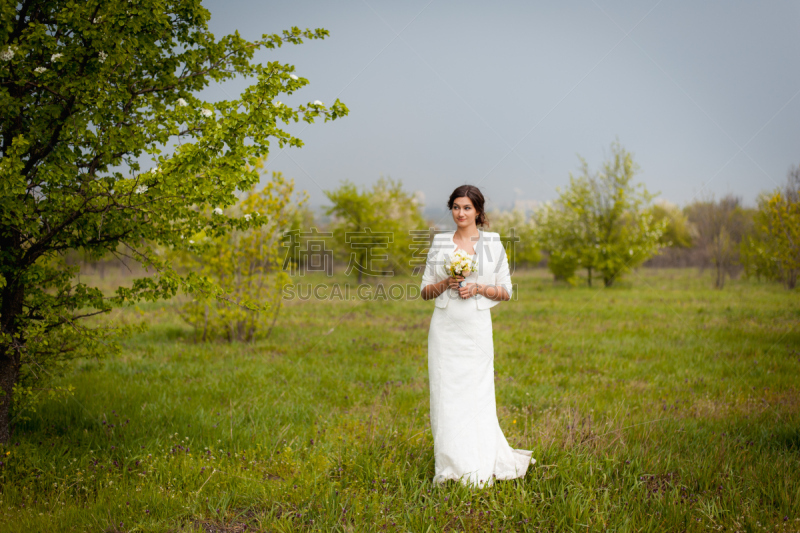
{"x":678,"y":230}
{"x":602,"y":222}
{"x":517,"y":232}
{"x":245,"y":264}
{"x":772,"y":249}
{"x":721,"y":226}
{"x":676,"y":243}
{"x":556,"y":232}
{"x":86,"y":90}
{"x":373,"y":227}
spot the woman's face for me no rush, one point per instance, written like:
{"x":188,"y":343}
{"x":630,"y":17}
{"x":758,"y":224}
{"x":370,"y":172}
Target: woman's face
{"x":464,"y":213}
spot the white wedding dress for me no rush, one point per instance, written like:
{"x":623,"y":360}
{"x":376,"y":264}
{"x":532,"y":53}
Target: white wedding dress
{"x":468,"y":443}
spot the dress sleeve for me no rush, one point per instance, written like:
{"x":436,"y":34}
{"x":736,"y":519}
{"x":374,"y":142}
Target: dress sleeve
{"x":429,"y":276}
{"x":503,"y":275}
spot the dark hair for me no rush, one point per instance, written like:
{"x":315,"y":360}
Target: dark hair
{"x":475,"y":196}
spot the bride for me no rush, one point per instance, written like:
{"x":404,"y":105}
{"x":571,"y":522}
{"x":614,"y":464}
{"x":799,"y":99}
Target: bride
{"x":468,"y":444}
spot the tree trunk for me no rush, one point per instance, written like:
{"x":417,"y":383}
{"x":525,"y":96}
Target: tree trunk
{"x":589,"y":270}
{"x":791,"y":279}
{"x":205,"y":325}
{"x":275,"y":315}
{"x":9,"y":371}
{"x":10,"y":310}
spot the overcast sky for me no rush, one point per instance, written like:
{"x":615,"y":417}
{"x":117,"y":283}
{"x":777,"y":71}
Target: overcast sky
{"x":506,"y":95}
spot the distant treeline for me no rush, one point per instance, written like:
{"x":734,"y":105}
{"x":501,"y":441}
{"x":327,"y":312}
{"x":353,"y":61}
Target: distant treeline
{"x":601,"y":226}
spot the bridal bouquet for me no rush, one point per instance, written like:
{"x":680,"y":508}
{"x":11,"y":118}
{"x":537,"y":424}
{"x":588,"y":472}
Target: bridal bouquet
{"x":460,"y":264}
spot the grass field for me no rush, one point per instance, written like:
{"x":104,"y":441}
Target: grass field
{"x":659,"y":404}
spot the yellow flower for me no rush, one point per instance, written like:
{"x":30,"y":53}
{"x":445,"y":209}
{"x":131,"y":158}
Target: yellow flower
{"x":515,"y":421}
{"x":8,"y":453}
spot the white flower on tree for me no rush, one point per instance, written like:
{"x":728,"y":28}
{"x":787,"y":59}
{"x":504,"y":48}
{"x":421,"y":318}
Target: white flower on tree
{"x":141,"y":189}
{"x":55,"y":56}
{"x":247,"y":217}
{"x":293,"y":76}
{"x":181,"y":102}
{"x":317,"y":102}
{"x":8,"y":53}
{"x":39,"y":70}
{"x":101,"y":56}
{"x":277,"y":103}
{"x":217,"y":211}
{"x":206,"y":113}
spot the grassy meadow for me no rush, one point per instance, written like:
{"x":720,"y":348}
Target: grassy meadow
{"x":658,"y":404}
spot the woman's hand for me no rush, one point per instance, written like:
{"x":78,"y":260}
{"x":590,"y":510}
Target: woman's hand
{"x":452,"y":283}
{"x":468,"y":290}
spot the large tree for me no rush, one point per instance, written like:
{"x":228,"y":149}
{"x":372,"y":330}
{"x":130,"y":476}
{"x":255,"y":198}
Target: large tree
{"x":88,"y":90}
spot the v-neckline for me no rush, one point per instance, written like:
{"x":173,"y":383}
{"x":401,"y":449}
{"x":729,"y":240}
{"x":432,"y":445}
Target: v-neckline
{"x":474,"y":246}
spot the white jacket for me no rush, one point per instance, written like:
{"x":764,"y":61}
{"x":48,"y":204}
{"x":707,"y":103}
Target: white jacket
{"x":492,"y":266}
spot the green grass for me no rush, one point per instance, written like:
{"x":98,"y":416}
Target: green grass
{"x":659,"y":404}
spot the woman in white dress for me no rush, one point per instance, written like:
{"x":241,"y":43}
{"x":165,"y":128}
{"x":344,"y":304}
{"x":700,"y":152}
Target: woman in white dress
{"x":468,"y":443}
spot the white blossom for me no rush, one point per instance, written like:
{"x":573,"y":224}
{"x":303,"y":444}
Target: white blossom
{"x":182,"y":102}
{"x":317,"y":102}
{"x":206,"y":113}
{"x":277,"y":103}
{"x":217,"y":211}
{"x":8,"y":54}
{"x":293,"y":76}
{"x":247,"y":217}
{"x":102,"y":56}
{"x":97,"y":20}
{"x":141,"y":189}
{"x":55,"y":56}
{"x":39,"y":70}
{"x":155,"y":170}
{"x":191,"y":242}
